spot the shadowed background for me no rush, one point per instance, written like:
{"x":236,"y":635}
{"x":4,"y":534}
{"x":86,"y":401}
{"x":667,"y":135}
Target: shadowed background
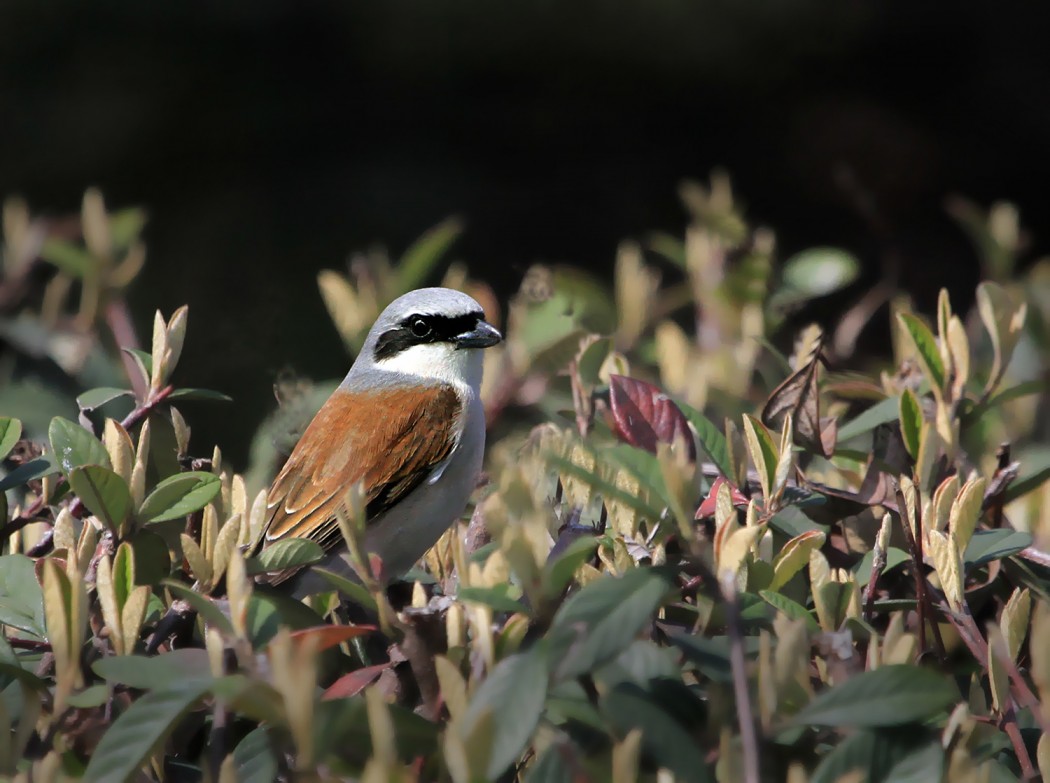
{"x":269,"y":140}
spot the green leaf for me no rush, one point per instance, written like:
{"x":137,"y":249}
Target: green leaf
{"x":179,"y":495}
{"x":290,"y":553}
{"x":894,"y":558}
{"x":96,"y":398}
{"x":105,"y":494}
{"x":185,"y":666}
{"x":92,"y":696}
{"x":204,"y":605}
{"x":888,"y":696}
{"x":10,"y":432}
{"x":125,"y":746}
{"x":355,"y":591}
{"x":21,"y":599}
{"x":74,"y":446}
{"x":600,"y":621}
{"x":816,"y":272}
{"x":607,"y":489}
{"x":75,"y":261}
{"x":144,"y":360}
{"x":26,"y":472}
{"x":881,"y":412}
{"x":664,"y":739}
{"x":199,"y":394}
{"x":792,"y":609}
{"x":763,"y":452}
{"x":419,"y":260}
{"x":911,"y":422}
{"x":988,"y":545}
{"x":1007,"y":395}
{"x":710,"y":655}
{"x":1035,"y":469}
{"x":875,"y":753}
{"x":926,"y":348}
{"x":519,"y":681}
{"x":559,"y":572}
{"x":712,"y":441}
{"x":254,"y":758}
{"x":502,"y":598}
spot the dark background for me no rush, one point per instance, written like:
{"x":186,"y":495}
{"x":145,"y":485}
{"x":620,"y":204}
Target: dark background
{"x":268,"y":140}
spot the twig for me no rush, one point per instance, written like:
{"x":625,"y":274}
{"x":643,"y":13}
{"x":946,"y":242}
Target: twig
{"x":29,"y":644}
{"x":924,"y":606}
{"x":1009,"y":725}
{"x":738,"y":664}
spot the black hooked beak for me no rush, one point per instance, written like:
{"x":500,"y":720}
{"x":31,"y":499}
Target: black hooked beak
{"x":481,"y":336}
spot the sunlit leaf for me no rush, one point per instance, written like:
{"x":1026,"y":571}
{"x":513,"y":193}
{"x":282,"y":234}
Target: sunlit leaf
{"x":10,"y":432}
{"x":179,"y":495}
{"x":926,"y":350}
{"x":105,"y":494}
{"x":74,"y":446}
{"x":282,"y":555}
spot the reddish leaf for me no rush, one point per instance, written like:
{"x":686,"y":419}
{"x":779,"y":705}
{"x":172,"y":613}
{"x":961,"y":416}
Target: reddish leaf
{"x":644,"y":416}
{"x":707,"y":508}
{"x":331,"y":635}
{"x":353,"y":683}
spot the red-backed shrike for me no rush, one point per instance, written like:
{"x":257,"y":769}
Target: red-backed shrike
{"x":407,"y":422}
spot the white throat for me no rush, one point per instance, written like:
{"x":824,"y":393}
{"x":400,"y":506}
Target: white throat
{"x":439,"y":362}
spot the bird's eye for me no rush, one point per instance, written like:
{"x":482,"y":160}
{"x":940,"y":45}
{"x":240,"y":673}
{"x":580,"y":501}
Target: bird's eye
{"x":420,"y":328}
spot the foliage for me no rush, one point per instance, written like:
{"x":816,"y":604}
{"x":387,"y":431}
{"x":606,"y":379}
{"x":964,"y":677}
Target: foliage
{"x":695,"y":559}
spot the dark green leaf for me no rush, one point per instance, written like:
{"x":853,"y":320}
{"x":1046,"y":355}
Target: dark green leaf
{"x":187,"y":665}
{"x":105,"y":494}
{"x":710,"y":655}
{"x":13,"y":672}
{"x":26,"y":472}
{"x":911,"y":422}
{"x":519,"y":680}
{"x":712,"y":441}
{"x":96,"y":398}
{"x":21,"y":599}
{"x":880,"y":413}
{"x":179,"y":495}
{"x":888,"y":696}
{"x":289,"y":553}
{"x":342,"y":727}
{"x":559,"y":572}
{"x":792,"y":609}
{"x":552,"y":766}
{"x":590,"y":362}
{"x":74,"y":446}
{"x":792,"y":522}
{"x":199,"y":394}
{"x":874,"y":752}
{"x":254,"y":758}
{"x":10,"y":432}
{"x":894,"y":557}
{"x":600,"y":621}
{"x":988,"y":545}
{"x":419,"y":260}
{"x":126,"y":744}
{"x":502,"y":598}
{"x":920,"y":766}
{"x":1035,"y":469}
{"x":664,"y":740}
{"x":640,"y":663}
{"x":926,"y":347}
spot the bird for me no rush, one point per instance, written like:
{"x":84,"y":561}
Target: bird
{"x":407,"y":422}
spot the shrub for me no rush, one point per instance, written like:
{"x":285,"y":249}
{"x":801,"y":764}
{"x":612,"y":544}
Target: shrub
{"x":694,"y":559}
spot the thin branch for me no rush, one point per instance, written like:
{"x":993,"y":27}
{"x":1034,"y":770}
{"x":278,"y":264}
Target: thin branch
{"x":738,"y":664}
